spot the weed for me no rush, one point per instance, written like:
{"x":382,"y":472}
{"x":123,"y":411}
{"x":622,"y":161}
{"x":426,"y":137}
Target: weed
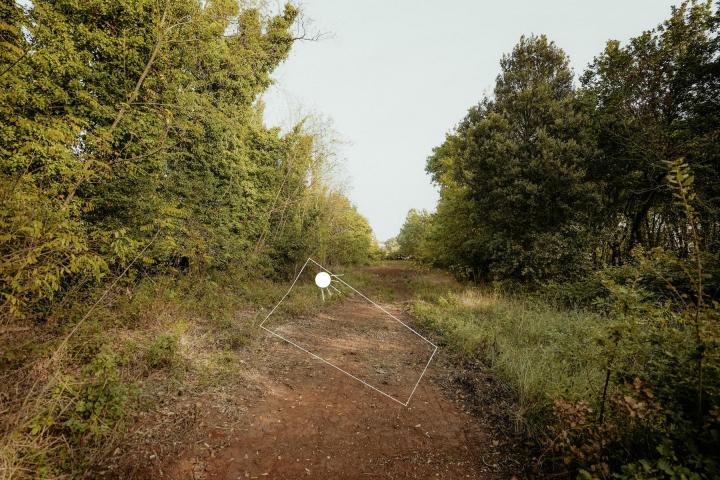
{"x":162,"y":352}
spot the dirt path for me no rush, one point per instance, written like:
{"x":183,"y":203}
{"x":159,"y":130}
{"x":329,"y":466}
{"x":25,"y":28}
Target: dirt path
{"x":310,"y":420}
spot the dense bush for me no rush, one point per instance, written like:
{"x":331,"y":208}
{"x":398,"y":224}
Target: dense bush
{"x":413,"y":235}
{"x":134,"y":124}
{"x":133,"y":155}
{"x":601,"y":196}
{"x":548,"y":181}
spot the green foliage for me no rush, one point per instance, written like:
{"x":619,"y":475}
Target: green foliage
{"x":81,"y":413}
{"x":331,"y":231}
{"x":162,"y":352}
{"x":630,"y":392}
{"x":136,"y":126}
{"x":127,"y":121}
{"x":413,"y":234}
{"x":605,"y":195}
{"x":545,"y":181}
{"x":391,"y":249}
{"x":515,"y":198}
{"x":653,"y":102}
{"x":539,"y":352}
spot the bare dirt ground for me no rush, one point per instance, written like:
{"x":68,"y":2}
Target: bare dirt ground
{"x":287,"y":415}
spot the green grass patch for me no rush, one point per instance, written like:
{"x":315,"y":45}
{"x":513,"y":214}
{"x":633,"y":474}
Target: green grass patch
{"x":542,"y":353}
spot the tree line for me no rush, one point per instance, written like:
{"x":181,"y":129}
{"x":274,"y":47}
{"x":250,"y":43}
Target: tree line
{"x":549,"y":178}
{"x":601,"y":194}
{"x":135,"y":126}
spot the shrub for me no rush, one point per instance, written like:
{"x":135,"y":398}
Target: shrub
{"x":162,"y":352}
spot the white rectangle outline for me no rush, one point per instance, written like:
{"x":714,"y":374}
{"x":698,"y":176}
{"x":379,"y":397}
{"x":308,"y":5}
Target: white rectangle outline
{"x":405,"y":404}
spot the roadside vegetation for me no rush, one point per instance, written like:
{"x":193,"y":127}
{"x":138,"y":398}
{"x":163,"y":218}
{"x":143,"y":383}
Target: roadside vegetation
{"x":148,"y":215}
{"x":149,"y":218}
{"x":540,"y":351}
{"x":584,"y":218}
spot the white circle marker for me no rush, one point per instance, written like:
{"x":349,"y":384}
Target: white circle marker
{"x":322,"y":279}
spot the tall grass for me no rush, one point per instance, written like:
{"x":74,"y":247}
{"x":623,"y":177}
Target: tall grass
{"x":541,"y":353}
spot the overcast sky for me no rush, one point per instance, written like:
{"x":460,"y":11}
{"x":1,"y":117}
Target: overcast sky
{"x":396,"y":75}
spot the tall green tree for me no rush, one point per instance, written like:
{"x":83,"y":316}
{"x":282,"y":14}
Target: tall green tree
{"x":519,"y":160}
{"x":414,"y":233}
{"x":655,"y":100}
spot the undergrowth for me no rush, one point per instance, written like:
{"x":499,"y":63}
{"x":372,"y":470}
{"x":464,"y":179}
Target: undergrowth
{"x":540,"y":352}
{"x":73,"y":386}
{"x":627,"y":386}
{"x":601,"y":395}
